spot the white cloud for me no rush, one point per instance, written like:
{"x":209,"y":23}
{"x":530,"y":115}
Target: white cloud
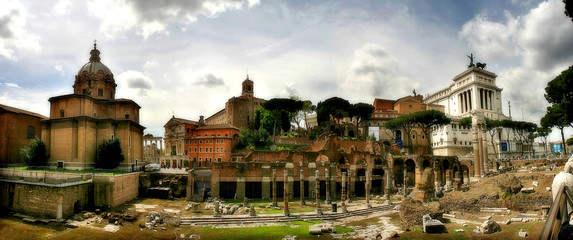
{"x":14,"y":36}
{"x":60,"y":69}
{"x":63,"y":7}
{"x":135,"y":81}
{"x":374,"y":73}
{"x":153,"y":17}
{"x":12,"y":85}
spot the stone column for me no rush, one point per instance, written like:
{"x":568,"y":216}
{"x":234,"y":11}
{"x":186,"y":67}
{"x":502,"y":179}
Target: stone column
{"x":216,"y":211}
{"x":343,"y":194}
{"x":302,"y":188}
{"x":285,"y":197}
{"x":274,"y":203}
{"x":190,"y":184}
{"x":252,"y":211}
{"x":241,"y":180}
{"x":317,"y":193}
{"x":480,"y":155}
{"x":388,"y":182}
{"x":368,"y":185}
{"x":484,"y":150}
{"x":327,"y":181}
{"x":405,"y":187}
{"x":266,"y":184}
{"x":477,"y":162}
{"x":350,"y":186}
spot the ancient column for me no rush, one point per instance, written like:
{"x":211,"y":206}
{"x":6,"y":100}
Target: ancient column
{"x":368,"y":185}
{"x":484,"y":150}
{"x":302,"y":188}
{"x":388,"y":182}
{"x":343,"y":194}
{"x":274,"y":203}
{"x":349,"y":187}
{"x":480,"y":155}
{"x":405,"y":187}
{"x":252,"y":211}
{"x":285,"y":197}
{"x":317,"y":193}
{"x":216,"y":211}
{"x":327,"y":180}
{"x":477,"y":162}
{"x":448,"y":178}
{"x":190,"y":185}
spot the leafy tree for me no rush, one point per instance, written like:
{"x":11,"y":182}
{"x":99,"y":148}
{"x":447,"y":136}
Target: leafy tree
{"x":543,"y":134}
{"x":466,"y":122}
{"x":278,"y":107}
{"x":254,"y":138}
{"x":35,"y":154}
{"x":559,"y":91}
{"x":427,"y":120}
{"x":569,"y":142}
{"x":361,"y":112}
{"x":569,"y":8}
{"x":555,"y":117}
{"x":333,"y":109}
{"x":405,"y":124}
{"x":492,"y":126}
{"x":109,"y":154}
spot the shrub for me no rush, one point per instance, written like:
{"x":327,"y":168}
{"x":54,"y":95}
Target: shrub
{"x":35,"y":154}
{"x":109,"y":154}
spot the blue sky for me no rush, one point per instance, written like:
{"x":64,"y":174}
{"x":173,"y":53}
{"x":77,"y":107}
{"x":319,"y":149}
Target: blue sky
{"x":189,"y":57}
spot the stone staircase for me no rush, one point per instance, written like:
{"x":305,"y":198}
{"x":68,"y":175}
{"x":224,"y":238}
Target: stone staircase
{"x":230,"y":219}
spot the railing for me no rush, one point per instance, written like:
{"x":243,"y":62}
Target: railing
{"x":558,"y":213}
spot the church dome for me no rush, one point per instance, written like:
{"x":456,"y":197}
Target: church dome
{"x":94,"y":65}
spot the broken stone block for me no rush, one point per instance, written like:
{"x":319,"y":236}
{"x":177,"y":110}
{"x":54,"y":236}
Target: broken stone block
{"x":459,"y":230}
{"x":535,"y":183}
{"x":432,"y":225}
{"x":490,"y":226}
{"x":527,"y":190}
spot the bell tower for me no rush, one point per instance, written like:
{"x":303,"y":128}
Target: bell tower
{"x":248,"y":91}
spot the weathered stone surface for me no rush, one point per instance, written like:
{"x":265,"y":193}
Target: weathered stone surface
{"x":432,"y":225}
{"x":459,"y":230}
{"x":490,"y":226}
{"x":523,"y":233}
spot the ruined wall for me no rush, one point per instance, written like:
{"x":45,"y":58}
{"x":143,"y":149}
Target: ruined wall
{"x":115,"y":190}
{"x":43,"y":200}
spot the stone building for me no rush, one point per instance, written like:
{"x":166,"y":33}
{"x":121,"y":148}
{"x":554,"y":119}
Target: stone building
{"x":474,"y":92}
{"x":253,"y":174}
{"x":189,"y":143}
{"x":79,"y":122}
{"x":152,"y":148}
{"x":386,"y":110}
{"x":17,"y":128}
{"x":239,"y":111}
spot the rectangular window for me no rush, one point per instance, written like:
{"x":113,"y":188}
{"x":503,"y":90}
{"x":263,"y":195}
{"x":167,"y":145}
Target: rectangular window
{"x":31,"y":132}
{"x":62,"y":113}
{"x":210,"y":149}
{"x":100,"y":92}
{"x":195,"y":150}
{"x":200,"y":149}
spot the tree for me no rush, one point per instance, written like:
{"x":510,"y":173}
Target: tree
{"x":35,"y":154}
{"x":428,"y":119}
{"x":333,"y":109}
{"x":278,"y":107}
{"x":491,"y":125}
{"x":109,"y":154}
{"x":569,"y":142}
{"x":543,"y":134}
{"x":555,"y":117}
{"x":569,"y":8}
{"x":403,"y":123}
{"x":361,"y":112}
{"x":559,"y":91}
{"x":466,"y":122}
{"x":254,"y":138}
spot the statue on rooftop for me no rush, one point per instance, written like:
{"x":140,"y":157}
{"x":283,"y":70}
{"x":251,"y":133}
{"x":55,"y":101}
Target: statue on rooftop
{"x":471,"y":57}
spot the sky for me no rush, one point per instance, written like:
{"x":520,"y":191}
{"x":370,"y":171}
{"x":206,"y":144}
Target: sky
{"x":187,"y":58}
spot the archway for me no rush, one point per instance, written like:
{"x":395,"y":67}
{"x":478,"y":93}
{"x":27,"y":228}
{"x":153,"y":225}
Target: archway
{"x":445,"y":172}
{"x":465,"y":172}
{"x":410,"y":167}
{"x":398,"y":173}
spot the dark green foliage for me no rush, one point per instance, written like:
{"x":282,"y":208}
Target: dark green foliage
{"x":569,"y":142}
{"x":253,"y":138}
{"x":428,"y":119}
{"x":109,"y":154}
{"x":285,"y":123}
{"x":466,"y":122}
{"x":555,"y":117}
{"x":569,"y":8}
{"x":362,"y":112}
{"x":35,"y":154}
{"x":333,"y":109}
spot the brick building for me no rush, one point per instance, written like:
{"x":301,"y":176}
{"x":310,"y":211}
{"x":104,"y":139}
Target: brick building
{"x":190,"y":143}
{"x":17,"y":128}
{"x":79,"y":122}
{"x":238,"y":111}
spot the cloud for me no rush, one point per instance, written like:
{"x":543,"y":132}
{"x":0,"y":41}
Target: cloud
{"x":136,"y":80}
{"x":209,"y":80}
{"x":374,"y":73}
{"x":13,"y":34}
{"x":12,"y":85}
{"x":62,"y":7}
{"x":153,"y":17}
{"x":491,"y":39}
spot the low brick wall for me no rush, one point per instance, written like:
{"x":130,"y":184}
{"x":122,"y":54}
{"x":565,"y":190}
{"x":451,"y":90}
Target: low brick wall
{"x":115,"y":190}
